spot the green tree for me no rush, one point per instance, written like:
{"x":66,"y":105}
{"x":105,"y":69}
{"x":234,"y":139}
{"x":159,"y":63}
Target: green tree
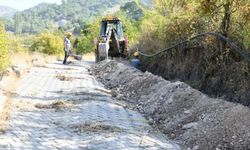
{"x":18,"y":23}
{"x":34,"y":20}
{"x":86,"y":40}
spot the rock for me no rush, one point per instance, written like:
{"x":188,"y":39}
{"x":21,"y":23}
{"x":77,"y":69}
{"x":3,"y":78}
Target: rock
{"x":187,"y":112}
{"x":190,"y":125}
{"x":113,"y":94}
{"x":17,"y":70}
{"x":195,"y":148}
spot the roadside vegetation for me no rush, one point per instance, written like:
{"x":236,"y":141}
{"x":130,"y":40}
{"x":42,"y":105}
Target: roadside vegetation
{"x":10,"y":45}
{"x":48,"y":42}
{"x":173,"y":21}
{"x":206,"y":63}
{"x":4,"y":54}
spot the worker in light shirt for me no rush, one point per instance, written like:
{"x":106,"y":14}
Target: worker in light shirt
{"x":67,"y":47}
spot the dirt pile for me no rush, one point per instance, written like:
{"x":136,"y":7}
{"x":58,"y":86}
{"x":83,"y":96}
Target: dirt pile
{"x":181,"y":112}
{"x":214,"y":73}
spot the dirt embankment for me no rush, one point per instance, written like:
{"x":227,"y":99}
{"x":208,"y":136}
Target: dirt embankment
{"x":218,"y":74}
{"x":181,"y":112}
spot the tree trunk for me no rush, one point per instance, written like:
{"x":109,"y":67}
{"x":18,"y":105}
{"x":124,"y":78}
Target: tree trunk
{"x":225,"y":24}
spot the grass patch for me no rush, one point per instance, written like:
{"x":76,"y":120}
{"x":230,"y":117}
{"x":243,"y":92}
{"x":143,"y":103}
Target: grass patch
{"x":94,"y":127}
{"x":5,"y":115}
{"x":54,"y":105}
{"x":64,"y":78}
{"x":67,"y":78}
{"x":58,"y":105}
{"x":8,"y":105}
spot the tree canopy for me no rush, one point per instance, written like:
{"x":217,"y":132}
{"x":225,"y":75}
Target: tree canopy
{"x":71,"y":14}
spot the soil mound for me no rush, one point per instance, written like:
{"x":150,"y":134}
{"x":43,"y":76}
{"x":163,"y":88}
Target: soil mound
{"x":181,"y":112}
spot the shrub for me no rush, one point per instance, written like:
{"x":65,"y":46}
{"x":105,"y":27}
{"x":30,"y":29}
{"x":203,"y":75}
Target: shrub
{"x":86,"y":40}
{"x":17,"y":44}
{"x":4,"y":54}
{"x":48,"y":43}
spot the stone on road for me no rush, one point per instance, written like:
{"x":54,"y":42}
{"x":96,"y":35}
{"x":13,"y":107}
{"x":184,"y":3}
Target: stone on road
{"x":63,"y":107}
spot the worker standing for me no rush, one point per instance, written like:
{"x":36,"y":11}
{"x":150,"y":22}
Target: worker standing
{"x":135,"y":62}
{"x":67,"y":47}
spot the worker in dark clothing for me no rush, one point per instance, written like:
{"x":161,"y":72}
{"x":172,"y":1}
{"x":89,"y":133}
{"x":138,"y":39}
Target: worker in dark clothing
{"x":67,"y":47}
{"x":135,"y":62}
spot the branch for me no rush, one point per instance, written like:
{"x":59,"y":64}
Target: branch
{"x":232,"y":46}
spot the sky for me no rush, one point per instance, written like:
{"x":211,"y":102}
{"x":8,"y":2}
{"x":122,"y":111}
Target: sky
{"x":25,"y":4}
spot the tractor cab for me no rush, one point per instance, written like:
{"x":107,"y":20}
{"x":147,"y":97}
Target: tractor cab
{"x":112,"y":23}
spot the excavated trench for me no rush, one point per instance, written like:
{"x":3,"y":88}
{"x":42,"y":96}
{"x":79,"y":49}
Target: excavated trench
{"x":179,"y":111}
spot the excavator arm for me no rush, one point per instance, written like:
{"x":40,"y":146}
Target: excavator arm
{"x":111,"y":41}
{"x":108,"y":41}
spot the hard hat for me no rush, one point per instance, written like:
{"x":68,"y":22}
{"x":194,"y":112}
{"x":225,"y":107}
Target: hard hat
{"x":136,"y":54}
{"x":68,"y":34}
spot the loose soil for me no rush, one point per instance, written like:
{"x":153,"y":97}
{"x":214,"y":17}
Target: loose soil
{"x":178,"y":110}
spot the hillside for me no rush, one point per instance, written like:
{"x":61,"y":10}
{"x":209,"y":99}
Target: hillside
{"x":133,"y":11}
{"x":7,"y":12}
{"x":71,"y":14}
{"x":188,"y":88}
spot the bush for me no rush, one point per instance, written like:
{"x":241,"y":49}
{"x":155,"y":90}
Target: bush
{"x":175,"y":22}
{"x":17,"y":44}
{"x":85,"y":44}
{"x":48,"y":43}
{"x":4,"y":54}
{"x":207,"y":63}
{"x":86,"y":39}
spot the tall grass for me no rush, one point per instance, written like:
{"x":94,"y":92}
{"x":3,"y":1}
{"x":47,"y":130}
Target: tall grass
{"x":4,"y":54}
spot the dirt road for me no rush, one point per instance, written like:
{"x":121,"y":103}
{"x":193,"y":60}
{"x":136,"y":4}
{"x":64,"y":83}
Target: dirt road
{"x":63,"y":107}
